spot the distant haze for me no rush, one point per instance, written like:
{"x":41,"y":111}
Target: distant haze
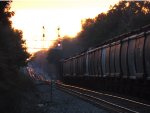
{"x":31,"y":15}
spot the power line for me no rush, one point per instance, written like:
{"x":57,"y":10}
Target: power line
{"x":36,"y":48}
{"x":43,"y":40}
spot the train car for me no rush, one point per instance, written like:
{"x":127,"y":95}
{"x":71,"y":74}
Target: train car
{"x":121,"y":64}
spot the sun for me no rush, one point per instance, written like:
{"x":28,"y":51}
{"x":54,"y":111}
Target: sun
{"x":32,"y":26}
{"x":30,"y":17}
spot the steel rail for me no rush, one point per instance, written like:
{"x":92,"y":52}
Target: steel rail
{"x":129,"y":100}
{"x":96,"y":100}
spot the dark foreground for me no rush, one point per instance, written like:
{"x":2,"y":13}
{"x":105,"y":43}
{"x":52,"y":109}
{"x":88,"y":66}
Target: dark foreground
{"x":40,"y":101}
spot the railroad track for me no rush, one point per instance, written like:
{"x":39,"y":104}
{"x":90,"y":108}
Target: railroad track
{"x":111,"y":102}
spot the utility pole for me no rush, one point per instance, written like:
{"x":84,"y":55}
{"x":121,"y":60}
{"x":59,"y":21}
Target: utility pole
{"x":51,"y":85}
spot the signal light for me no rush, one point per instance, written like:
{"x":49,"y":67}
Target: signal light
{"x":59,"y":44}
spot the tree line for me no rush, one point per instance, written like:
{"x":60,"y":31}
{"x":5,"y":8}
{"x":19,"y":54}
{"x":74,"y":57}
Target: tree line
{"x":120,"y":18}
{"x":13,"y":56}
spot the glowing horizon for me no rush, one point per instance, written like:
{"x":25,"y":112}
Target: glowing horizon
{"x":32,"y":15}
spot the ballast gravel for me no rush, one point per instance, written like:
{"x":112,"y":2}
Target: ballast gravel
{"x":61,"y":102}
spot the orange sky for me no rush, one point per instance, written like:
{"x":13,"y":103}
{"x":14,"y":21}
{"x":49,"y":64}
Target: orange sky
{"x":31,"y":15}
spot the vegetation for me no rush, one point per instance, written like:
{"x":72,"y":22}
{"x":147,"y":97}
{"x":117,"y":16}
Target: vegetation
{"x":13,"y":56}
{"x":121,"y":18}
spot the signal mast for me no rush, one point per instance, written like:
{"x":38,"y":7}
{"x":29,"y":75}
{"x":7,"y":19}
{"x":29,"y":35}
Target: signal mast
{"x":59,"y":44}
{"x":43,"y":37}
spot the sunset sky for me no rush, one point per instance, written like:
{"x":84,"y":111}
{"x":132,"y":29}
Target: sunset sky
{"x":32,"y":15}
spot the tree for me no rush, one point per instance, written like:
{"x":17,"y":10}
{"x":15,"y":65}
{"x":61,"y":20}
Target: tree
{"x":121,"y":18}
{"x":11,"y":42}
{"x":13,"y":55}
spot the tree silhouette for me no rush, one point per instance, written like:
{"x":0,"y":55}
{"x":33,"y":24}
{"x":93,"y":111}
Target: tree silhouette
{"x":121,"y":18}
{"x":13,"y":55}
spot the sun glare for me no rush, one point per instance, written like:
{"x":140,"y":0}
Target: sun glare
{"x":31,"y":16}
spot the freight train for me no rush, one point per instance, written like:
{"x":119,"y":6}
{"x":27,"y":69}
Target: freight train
{"x":121,"y":65}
